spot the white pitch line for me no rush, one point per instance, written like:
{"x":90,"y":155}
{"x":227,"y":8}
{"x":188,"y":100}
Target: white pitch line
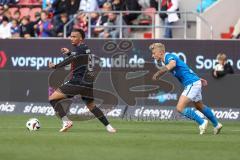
{"x":236,"y":130}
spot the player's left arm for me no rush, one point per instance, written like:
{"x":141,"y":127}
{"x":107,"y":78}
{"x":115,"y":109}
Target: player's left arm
{"x":66,"y":51}
{"x":63,"y":63}
{"x":164,"y":69}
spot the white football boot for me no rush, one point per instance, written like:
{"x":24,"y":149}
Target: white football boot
{"x":217,"y":129}
{"x":66,"y":126}
{"x":110,"y":129}
{"x":203,"y":127}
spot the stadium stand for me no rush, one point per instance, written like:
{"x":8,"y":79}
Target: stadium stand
{"x":236,"y":30}
{"x":229,"y":34}
{"x":13,"y":10}
{"x":24,"y":11}
{"x":30,"y":2}
{"x":204,"y":4}
{"x":33,"y":13}
{"x":135,"y":21}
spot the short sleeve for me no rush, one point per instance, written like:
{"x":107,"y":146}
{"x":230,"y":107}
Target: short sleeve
{"x":169,"y":57}
{"x":83,"y":49}
{"x":86,"y":50}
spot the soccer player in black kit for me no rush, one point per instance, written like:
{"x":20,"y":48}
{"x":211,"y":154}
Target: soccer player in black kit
{"x":81,"y":70}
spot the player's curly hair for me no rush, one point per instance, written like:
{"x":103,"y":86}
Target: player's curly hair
{"x":82,"y":33}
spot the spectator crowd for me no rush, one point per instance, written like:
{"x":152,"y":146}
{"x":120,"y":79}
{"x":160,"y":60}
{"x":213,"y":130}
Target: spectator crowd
{"x":47,"y":18}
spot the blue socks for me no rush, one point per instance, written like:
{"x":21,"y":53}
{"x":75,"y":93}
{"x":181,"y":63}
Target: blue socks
{"x":209,"y":114}
{"x":189,"y":113}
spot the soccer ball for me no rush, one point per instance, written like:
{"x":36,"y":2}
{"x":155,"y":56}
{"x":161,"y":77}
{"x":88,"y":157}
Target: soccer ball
{"x":33,"y":124}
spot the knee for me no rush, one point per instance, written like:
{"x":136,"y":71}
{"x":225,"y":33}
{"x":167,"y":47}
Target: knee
{"x":90,"y":106}
{"x":179,"y":109}
{"x":50,"y":98}
{"x":56,"y":95}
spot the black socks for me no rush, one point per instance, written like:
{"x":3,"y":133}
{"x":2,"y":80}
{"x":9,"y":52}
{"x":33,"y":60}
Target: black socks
{"x":58,"y":108}
{"x":99,"y":114}
{"x":61,"y":113}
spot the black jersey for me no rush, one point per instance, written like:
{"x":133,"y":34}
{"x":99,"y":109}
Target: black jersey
{"x":81,"y":62}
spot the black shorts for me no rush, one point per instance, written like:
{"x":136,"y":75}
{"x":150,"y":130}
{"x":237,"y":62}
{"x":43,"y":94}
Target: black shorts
{"x":73,"y":88}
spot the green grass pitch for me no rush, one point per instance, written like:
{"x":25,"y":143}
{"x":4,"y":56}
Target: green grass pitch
{"x":88,"y":140}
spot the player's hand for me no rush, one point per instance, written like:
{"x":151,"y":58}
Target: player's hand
{"x":215,"y":73}
{"x":204,"y":82}
{"x":65,"y":50}
{"x":51,"y":65}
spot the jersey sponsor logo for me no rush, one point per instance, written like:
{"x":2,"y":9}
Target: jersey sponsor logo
{"x":88,"y":51}
{"x":35,"y":63}
{"x":3,"y":59}
{"x":90,"y":62}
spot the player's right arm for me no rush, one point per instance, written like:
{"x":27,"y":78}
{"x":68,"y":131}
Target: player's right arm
{"x":164,"y":69}
{"x":82,"y":59}
{"x":170,"y":63}
{"x":67,"y":61}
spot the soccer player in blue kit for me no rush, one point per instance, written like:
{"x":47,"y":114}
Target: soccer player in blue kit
{"x":192,"y":87}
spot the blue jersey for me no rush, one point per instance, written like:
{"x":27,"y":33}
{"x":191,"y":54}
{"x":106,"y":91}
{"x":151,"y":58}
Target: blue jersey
{"x":181,"y":71}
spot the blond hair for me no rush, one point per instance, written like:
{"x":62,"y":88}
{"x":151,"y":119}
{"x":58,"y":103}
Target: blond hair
{"x":222,"y":56}
{"x":107,"y":5}
{"x":159,"y":46}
